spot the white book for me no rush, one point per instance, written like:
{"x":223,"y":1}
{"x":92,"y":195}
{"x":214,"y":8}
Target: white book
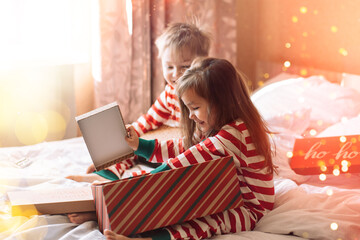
{"x":104,"y":133}
{"x":51,"y":201}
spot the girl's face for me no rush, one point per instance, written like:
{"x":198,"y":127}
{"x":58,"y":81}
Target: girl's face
{"x":174,"y":66}
{"x":198,"y":108}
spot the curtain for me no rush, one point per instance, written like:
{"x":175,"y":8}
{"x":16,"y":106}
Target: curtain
{"x":127,"y":69}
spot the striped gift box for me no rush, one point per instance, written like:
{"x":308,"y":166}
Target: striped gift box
{"x":148,"y":202}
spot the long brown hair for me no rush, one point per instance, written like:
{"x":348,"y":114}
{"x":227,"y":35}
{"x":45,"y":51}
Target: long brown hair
{"x":225,"y":90}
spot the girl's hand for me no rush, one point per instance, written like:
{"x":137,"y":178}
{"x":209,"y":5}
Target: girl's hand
{"x":132,"y":138}
{"x":90,"y":169}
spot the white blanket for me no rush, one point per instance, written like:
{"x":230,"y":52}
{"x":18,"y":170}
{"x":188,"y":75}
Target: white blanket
{"x":305,"y":207}
{"x":306,"y":211}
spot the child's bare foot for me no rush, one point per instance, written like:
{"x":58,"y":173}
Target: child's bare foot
{"x":82,"y":217}
{"x":110,"y":235}
{"x":91,"y":177}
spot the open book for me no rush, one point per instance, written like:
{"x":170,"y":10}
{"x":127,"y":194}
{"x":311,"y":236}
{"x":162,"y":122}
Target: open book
{"x":104,"y":133}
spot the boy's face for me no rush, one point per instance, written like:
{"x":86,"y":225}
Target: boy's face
{"x":174,"y":65}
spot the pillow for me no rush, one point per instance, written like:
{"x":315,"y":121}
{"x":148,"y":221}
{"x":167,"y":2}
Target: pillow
{"x":296,"y":122}
{"x":351,"y":81}
{"x":328,"y":102}
{"x":347,"y":127}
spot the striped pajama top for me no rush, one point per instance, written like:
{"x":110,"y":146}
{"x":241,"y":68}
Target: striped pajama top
{"x":164,"y":111}
{"x":256,"y":184}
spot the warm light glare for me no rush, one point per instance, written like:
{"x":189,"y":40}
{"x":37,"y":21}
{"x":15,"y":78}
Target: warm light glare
{"x":288,"y":45}
{"x":260,"y":83}
{"x":303,"y":72}
{"x":289,"y":154}
{"x":334,"y":226}
{"x":334,"y":29}
{"x":336,"y":172}
{"x":44,"y":32}
{"x":344,"y":168}
{"x":305,"y":34}
{"x":303,"y":10}
{"x":266,"y":75}
{"x":287,"y":64}
{"x":329,"y":192}
{"x":319,"y":122}
{"x":313,"y":132}
{"x":294,"y":19}
{"x":322,"y":177}
{"x":342,"y":139}
{"x":31,"y":128}
{"x":129,"y":15}
{"x":323,"y":168}
{"x":343,"y":52}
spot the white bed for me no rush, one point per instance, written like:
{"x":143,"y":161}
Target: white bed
{"x":305,"y":207}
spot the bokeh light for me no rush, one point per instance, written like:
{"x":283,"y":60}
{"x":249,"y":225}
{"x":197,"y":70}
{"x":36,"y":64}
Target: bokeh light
{"x":329,"y":192}
{"x":30,"y":128}
{"x":334,"y":226}
{"x":313,"y":132}
{"x":294,"y":19}
{"x":336,"y":172}
{"x":342,"y":139}
{"x":322,"y":177}
{"x":343,"y":52}
{"x":303,"y":10}
{"x":303,"y":72}
{"x":287,"y":64}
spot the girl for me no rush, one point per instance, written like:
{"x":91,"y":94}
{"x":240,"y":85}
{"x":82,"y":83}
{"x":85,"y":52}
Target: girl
{"x":215,"y":100}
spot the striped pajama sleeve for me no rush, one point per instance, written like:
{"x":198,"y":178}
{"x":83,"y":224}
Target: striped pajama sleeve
{"x":256,"y":184}
{"x":164,"y":111}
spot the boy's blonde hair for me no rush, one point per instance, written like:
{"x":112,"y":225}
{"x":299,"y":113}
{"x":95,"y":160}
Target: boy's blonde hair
{"x":184,"y":36}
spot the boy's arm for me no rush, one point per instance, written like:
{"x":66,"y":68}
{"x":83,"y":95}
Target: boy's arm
{"x":159,"y":113}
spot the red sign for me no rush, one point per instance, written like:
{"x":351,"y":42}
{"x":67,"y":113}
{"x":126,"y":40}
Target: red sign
{"x":328,"y":155}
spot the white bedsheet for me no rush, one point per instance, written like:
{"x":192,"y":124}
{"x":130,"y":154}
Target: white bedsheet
{"x":305,"y":211}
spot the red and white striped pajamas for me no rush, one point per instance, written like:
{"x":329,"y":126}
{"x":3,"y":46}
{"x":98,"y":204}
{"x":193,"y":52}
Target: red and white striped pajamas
{"x":256,"y":184}
{"x":164,"y":111}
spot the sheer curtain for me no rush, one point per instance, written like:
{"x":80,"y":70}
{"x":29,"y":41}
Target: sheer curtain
{"x":127,"y":69}
{"x":44,"y":48}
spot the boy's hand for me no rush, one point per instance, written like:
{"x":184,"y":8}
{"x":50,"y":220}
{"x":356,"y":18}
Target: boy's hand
{"x":132,"y":138}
